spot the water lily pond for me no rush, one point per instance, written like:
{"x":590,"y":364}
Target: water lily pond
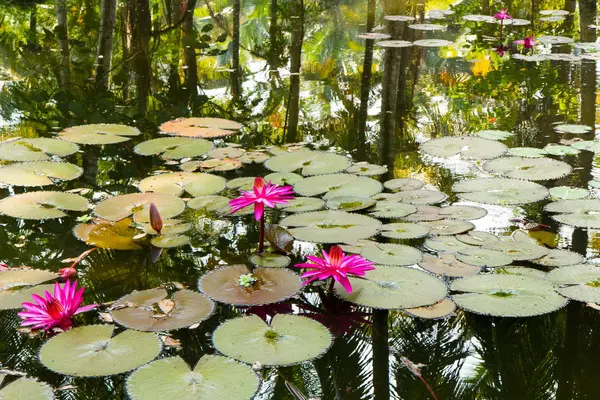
{"x":301,"y":199}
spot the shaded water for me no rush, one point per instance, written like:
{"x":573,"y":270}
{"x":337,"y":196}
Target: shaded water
{"x":372,"y":103}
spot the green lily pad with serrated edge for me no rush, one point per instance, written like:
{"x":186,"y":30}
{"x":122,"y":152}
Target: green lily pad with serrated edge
{"x":119,"y":207}
{"x":518,"y":251}
{"x":270,"y":260}
{"x":559,"y":258}
{"x":441,"y":309}
{"x":493,"y":134}
{"x":463,"y":212}
{"x":516,"y":270}
{"x":283,"y":178}
{"x":169,"y":241}
{"x":568,"y":193}
{"x":309,"y":162}
{"x":445,"y":244}
{"x":414,"y":197}
{"x":336,"y":185}
{"x":392,"y":254}
{"x":559,"y":150}
{"x":583,"y":213}
{"x":392,"y":209}
{"x":254,"y":157}
{"x":533,"y":169}
{"x":92,"y":350}
{"x":404,"y":230}
{"x":402,"y":184}
{"x":366,"y":169}
{"x":578,"y":282}
{"x":527,"y":152}
{"x":171,"y":378}
{"x":302,"y":204}
{"x":99,"y":134}
{"x":588,"y":145}
{"x":466,"y":146}
{"x":14,"y":299}
{"x":174,"y":148}
{"x":447,"y":226}
{"x":448,"y":265}
{"x":173,"y":183}
{"x":502,"y":191}
{"x":288,"y":340}
{"x":477,"y":238}
{"x":26,"y":389}
{"x":35,"y":149}
{"x":424,"y":213}
{"x":42,"y":205}
{"x":349,"y":203}
{"x":483,"y":257}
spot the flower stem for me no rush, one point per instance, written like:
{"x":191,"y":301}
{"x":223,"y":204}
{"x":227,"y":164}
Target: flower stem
{"x":261,"y":244}
{"x":331,"y":285}
{"x":501,"y":26}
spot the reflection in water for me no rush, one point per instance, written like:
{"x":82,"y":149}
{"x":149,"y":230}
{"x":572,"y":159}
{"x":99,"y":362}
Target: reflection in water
{"x":292,"y":71}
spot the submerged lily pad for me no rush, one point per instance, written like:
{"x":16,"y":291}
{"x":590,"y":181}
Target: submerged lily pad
{"x":392,"y":209}
{"x":138,"y":204}
{"x":99,"y":134}
{"x":38,"y":173}
{"x":173,"y":183}
{"x":466,"y":146}
{"x":493,"y":134}
{"x":302,"y":204}
{"x":14,"y":299}
{"x":506,"y":295}
{"x":270,"y":260}
{"x":366,"y":169}
{"x":270,"y":285}
{"x":93,"y":351}
{"x":578,"y":282}
{"x":171,"y":378}
{"x":331,"y":226}
{"x":441,"y":309}
{"x":448,"y":226}
{"x":143,"y":311}
{"x":404,"y":230}
{"x":288,"y":340}
{"x":569,"y":193}
{"x":26,"y":389}
{"x":349,"y":203}
{"x":573,"y":129}
{"x":560,"y":258}
{"x":392,"y":254}
{"x":174,"y":148}
{"x":336,"y":185}
{"x":309,"y":162}
{"x":448,"y":265}
{"x":501,"y":191}
{"x":35,"y":149}
{"x":108,"y":235}
{"x":402,"y":184}
{"x":42,"y":205}
{"x":533,"y":169}
{"x":583,"y":213}
{"x":394,"y":288}
{"x":200,"y":127}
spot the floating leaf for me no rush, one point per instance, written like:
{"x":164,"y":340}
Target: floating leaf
{"x":545,"y":39}
{"x":483,"y":257}
{"x":394,"y":288}
{"x":283,"y":178}
{"x":256,"y":157}
{"x":289,"y":339}
{"x":448,"y":265}
{"x":533,"y":169}
{"x":173,"y":183}
{"x":14,"y":298}
{"x":524,"y":271}
{"x":427,"y":27}
{"x":374,"y":36}
{"x":245,"y":183}
{"x":174,"y":148}
{"x":462,"y":212}
{"x":424,"y":213}
{"x":501,"y":191}
{"x":36,"y":149}
{"x":392,"y":254}
{"x":42,"y":205}
{"x":480,"y":18}
{"x":528,"y":58}
{"x":552,"y":18}
{"x":270,"y":260}
{"x":366,"y":169}
{"x":222,"y":153}
{"x":517,"y":250}
{"x":578,"y":282}
{"x":506,"y":295}
{"x":394,"y":44}
{"x":416,"y":197}
{"x":568,"y":193}
{"x":26,"y":389}
{"x":528,"y":152}
{"x":331,"y":226}
{"x":447,"y":244}
{"x":170,"y":227}
{"x":336,"y":185}
{"x":141,"y":310}
{"x":392,"y":209}
{"x":171,"y":378}
{"x":466,"y":146}
{"x":558,"y":150}
{"x":433,"y":42}
{"x":581,"y":213}
{"x":108,"y":235}
{"x":38,"y":173}
{"x":404,"y":230}
{"x":14,"y":278}
{"x":399,"y":18}
{"x":138,"y":204}
{"x":93,"y":351}
{"x":588,"y":145}
{"x":218,"y":165}
{"x":200,"y":127}
{"x":309,"y":162}
{"x":448,"y":226}
{"x":168,"y":241}
{"x":349,"y":203}
{"x":554,"y":12}
{"x":271,"y":285}
{"x":441,"y":309}
{"x":281,"y":239}
{"x":210,"y":203}
{"x":477,"y":238}
{"x":402,"y":184}
{"x":99,"y":134}
{"x":573,"y":129}
{"x":493,"y":134}
{"x":302,"y":204}
{"x":560,"y":258}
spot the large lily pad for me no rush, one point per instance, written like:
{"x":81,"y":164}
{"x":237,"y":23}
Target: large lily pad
{"x":441,"y":309}
{"x":533,"y":169}
{"x":583,"y":213}
{"x":170,"y":241}
{"x":501,"y":191}
{"x":117,"y":235}
{"x":288,"y":340}
{"x":93,"y":351}
{"x":392,"y":209}
{"x":433,"y":43}
{"x":466,"y":146}
{"x":366,"y":169}
{"x":200,"y":127}
{"x":394,"y":288}
{"x":138,"y":204}
{"x":573,"y":129}
{"x":174,"y":148}
{"x":493,"y":134}
{"x":578,"y":282}
{"x":302,"y":204}
{"x":270,"y":260}
{"x":35,"y":149}
{"x":588,"y":145}
{"x":404,"y":230}
{"x":483,"y":257}
{"x":336,"y":185}
{"x":212,"y":165}
{"x":448,"y":226}
{"x":424,"y":213}
{"x":427,"y":27}
{"x":445,"y":244}
{"x":402,"y":184}
{"x":416,"y":197}
{"x":42,"y":205}
{"x":99,"y":134}
{"x":154,"y":310}
{"x":518,"y":250}
{"x":14,"y":299}
{"x":13,"y":278}
{"x":477,"y":238}
{"x":560,"y":258}
{"x":271,"y":285}
{"x":38,"y":173}
{"x":569,"y":193}
{"x":448,"y":265}
{"x":528,"y":152}
{"x":392,"y":254}
{"x":463,"y":212}
{"x":331,"y":226}
{"x":214,"y":378}
{"x":309,"y":162}
{"x":26,"y":389}
{"x":210,"y":203}
{"x":283,"y":178}
{"x":506,"y":295}
{"x":349,"y":203}
{"x":173,"y":183}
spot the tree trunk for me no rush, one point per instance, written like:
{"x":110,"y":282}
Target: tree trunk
{"x":274,"y":50}
{"x":140,"y":25}
{"x":32,"y":33}
{"x":174,"y":14}
{"x":126,"y":46}
{"x":588,"y":9}
{"x":381,"y":355}
{"x":62,"y":31}
{"x":293,"y":111}
{"x":236,"y":73}
{"x":108,"y":19}
{"x":191,"y":70}
{"x":570,"y":6}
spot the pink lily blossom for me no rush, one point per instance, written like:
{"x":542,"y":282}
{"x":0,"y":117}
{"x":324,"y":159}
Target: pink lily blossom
{"x":4,"y":267}
{"x":502,"y":15}
{"x":262,"y":195}
{"x":527,"y":43}
{"x":335,"y":265}
{"x":55,"y":310}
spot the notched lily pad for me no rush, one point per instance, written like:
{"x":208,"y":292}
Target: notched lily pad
{"x":308,"y":162}
{"x":26,"y":389}
{"x":483,"y":257}
{"x":138,"y":204}
{"x":170,"y":241}
{"x":174,"y":148}
{"x":349,"y":203}
{"x":392,"y":209}
{"x":583,"y":213}
{"x":42,"y":205}
{"x":403,"y":184}
{"x":200,"y":127}
{"x":502,"y":191}
{"x":99,"y":134}
{"x":448,"y":265}
{"x":533,"y":169}
{"x":441,"y":309}
{"x":466,"y":146}
{"x":392,"y":254}
{"x":35,"y":149}
{"x":337,"y":185}
{"x":270,"y":260}
{"x":366,"y":169}
{"x":108,"y":235}
{"x":38,"y":173}
{"x":302,"y":204}
{"x":404,"y":230}
{"x":448,"y":226}
{"x":415,"y":197}
{"x":331,"y":226}
{"x":578,"y":282}
{"x":560,"y":258}
{"x":173,"y":183}
{"x":568,"y":193}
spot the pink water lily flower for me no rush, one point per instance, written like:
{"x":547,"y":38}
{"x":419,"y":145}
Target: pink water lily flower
{"x":335,"y":265}
{"x":502,"y":15}
{"x":528,"y":42}
{"x":4,"y":267}
{"x":55,"y":310}
{"x":262,"y":195}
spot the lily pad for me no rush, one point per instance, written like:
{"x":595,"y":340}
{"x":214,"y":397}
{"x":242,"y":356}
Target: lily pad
{"x":35,"y":149}
{"x":528,"y":152}
{"x":517,"y":250}
{"x":404,"y":230}
{"x":552,"y":18}
{"x":432,"y":42}
{"x":42,"y":205}
{"x":547,"y":39}
{"x":283,"y":178}
{"x":271,"y":285}
{"x":209,"y":203}
{"x":560,"y":258}
{"x":270,"y":260}
{"x":349,"y":203}
{"x":392,"y":209}
{"x":38,"y":173}
{"x":588,"y":145}
{"x":392,"y":254}
{"x":117,"y":235}
{"x":394,"y":288}
{"x":583,"y":213}
{"x":569,"y":193}
{"x":448,"y":265}
{"x":415,"y":197}
{"x":578,"y":282}
{"x":26,"y":389}
{"x":92,"y":350}
{"x":170,"y":227}
{"x":533,"y":169}
{"x":480,"y":18}
{"x":493,"y":134}
{"x":394,"y":43}
{"x":558,"y":150}
{"x":200,"y":127}
{"x":214,"y":164}
{"x":448,"y":226}
{"x":174,"y":148}
{"x":502,"y":191}
{"x":366,"y":169}
{"x":483,"y":257}
{"x":14,"y":278}
{"x":143,"y":311}
{"x":554,"y":12}
{"x":171,"y":378}
{"x":254,"y":157}
{"x":138,"y":204}
{"x":331,"y":226}
{"x":245,"y":183}
{"x":445,"y":244}
{"x":288,"y":340}
{"x":427,"y":27}
{"x":222,"y":153}
{"x":309,"y":162}
{"x":173,"y":183}
{"x":466,"y":146}
{"x":336,"y":185}
{"x":374,"y":36}
{"x":524,"y":271}
{"x":399,"y":18}
{"x":573,"y":129}
{"x":402,"y":184}
{"x":477,"y":238}
{"x":424,"y":213}
{"x":170,"y":241}
{"x":99,"y":134}
{"x":441,"y":309}
{"x":506,"y":295}
{"x":463,"y":212}
{"x":14,"y":299}
{"x":302,"y":204}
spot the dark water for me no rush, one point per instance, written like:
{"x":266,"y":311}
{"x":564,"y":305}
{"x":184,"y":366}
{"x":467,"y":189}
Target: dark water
{"x":362,"y":100}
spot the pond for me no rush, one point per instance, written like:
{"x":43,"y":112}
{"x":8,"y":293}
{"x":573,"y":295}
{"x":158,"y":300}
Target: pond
{"x":437,"y":159}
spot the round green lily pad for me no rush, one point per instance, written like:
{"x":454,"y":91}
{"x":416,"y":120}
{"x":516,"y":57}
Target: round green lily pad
{"x":302,"y":204}
{"x":42,"y":205}
{"x":173,"y":183}
{"x":394,"y":288}
{"x":527,"y":152}
{"x":99,"y":134}
{"x":516,"y":270}
{"x":214,"y":378}
{"x":222,"y":153}
{"x":560,"y":258}
{"x":366,"y":169}
{"x":402,"y":184}
{"x":547,"y":39}
{"x":271,"y":285}
{"x":270,"y":260}
{"x":427,"y":27}
{"x":331,"y":226}
{"x":392,"y":209}
{"x":493,"y":134}
{"x":445,"y":244}
{"x":518,"y":250}
{"x":288,"y":340}
{"x":245,"y":183}
{"x":209,"y":203}
{"x":466,"y":146}
{"x":283,"y":178}
{"x":568,"y":193}
{"x":174,"y":148}
{"x":415,"y":197}
{"x":588,"y":145}
{"x":336,"y":185}
{"x":35,"y":149}
{"x":552,"y":18}
{"x":480,"y":18}
{"x":14,"y":298}
{"x":483,"y":257}
{"x":170,"y":227}
{"x":432,"y":42}
{"x":448,"y":265}
{"x":254,"y":157}
{"x":92,"y":350}
{"x":441,"y":309}
{"x":404,"y":230}
{"x":399,"y":18}
{"x":533,"y":169}
{"x":448,"y":226}
{"x":424,"y":213}
{"x":349,"y":203}
{"x":559,"y":150}
{"x":26,"y":389}
{"x":583,"y":213}
{"x":119,"y":207}
{"x":395,"y":44}
{"x":309,"y":162}
{"x":16,"y":277}
{"x":200,"y":127}
{"x":392,"y":254}
{"x":578,"y":282}
{"x":38,"y":173}
{"x":169,"y":241}
{"x":506,"y":295}
{"x":554,"y":12}
{"x":477,"y":238}
{"x":502,"y":191}
{"x":154,"y":310}
{"x":463,"y":212}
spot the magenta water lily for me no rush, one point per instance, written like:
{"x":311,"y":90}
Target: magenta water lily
{"x":502,"y":15}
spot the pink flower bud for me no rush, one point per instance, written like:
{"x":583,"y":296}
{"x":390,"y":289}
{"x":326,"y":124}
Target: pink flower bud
{"x":67,"y":273}
{"x":156,"y":221}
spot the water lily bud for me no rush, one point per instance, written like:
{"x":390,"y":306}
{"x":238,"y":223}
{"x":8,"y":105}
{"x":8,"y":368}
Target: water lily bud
{"x":67,"y":273}
{"x":156,"y":221}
